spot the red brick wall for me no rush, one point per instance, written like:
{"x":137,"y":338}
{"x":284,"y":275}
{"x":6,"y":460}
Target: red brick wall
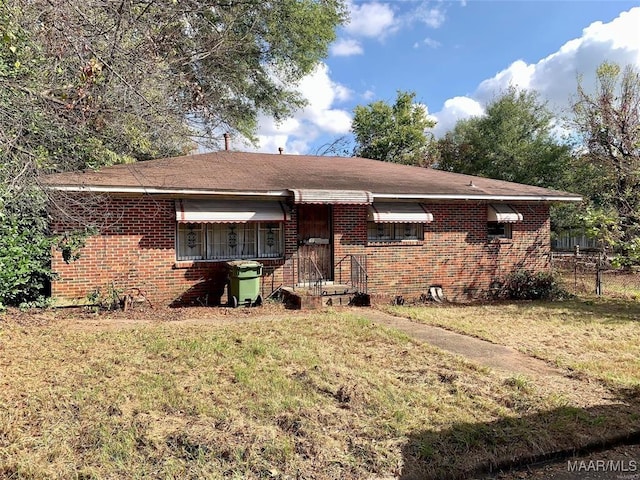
{"x":455,"y":253}
{"x":136,"y":249}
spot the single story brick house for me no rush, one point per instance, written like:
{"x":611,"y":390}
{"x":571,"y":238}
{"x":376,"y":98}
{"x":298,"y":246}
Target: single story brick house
{"x":168,"y":226}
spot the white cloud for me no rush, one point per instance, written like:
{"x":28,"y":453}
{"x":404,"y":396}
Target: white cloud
{"x":433,"y":17}
{"x":346,"y":47}
{"x":371,"y":20}
{"x":429,"y":42}
{"x":321,"y":91}
{"x":554,"y":77}
{"x":271,"y":143}
{"x":378,"y":20}
{"x":319,"y":117}
{"x":368,"y":94}
{"x":517,"y":74}
{"x":454,"y":109}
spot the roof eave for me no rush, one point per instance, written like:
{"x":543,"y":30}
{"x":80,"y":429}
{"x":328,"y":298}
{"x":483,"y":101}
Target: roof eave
{"x":287,"y":193}
{"x":484,"y":196}
{"x":164,"y":191}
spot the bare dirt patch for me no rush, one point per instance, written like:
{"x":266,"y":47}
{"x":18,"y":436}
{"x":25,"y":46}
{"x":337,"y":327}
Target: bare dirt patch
{"x":88,"y":319}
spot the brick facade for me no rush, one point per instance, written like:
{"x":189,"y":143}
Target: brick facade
{"x":136,"y":249}
{"x":455,"y":254}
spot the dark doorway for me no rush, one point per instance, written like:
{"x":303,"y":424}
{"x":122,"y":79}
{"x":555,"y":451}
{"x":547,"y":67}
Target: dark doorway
{"x":315,"y":241}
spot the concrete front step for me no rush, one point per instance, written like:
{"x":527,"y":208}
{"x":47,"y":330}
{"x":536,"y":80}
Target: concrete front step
{"x":337,"y":299}
{"x":331,"y":290}
{"x":336,"y":295}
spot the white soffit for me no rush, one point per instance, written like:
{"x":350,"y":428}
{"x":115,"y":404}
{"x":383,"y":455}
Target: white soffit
{"x":229,"y":211}
{"x":399,"y":213}
{"x":344,"y":197}
{"x":503,"y":213}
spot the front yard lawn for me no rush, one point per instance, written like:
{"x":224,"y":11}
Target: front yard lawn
{"x":596,"y":338}
{"x":324,"y":395}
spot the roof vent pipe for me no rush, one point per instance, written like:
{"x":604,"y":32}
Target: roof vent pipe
{"x":280,"y":150}
{"x":227,"y":141}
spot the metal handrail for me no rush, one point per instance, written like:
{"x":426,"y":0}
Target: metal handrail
{"x":359,"y":275}
{"x":311,"y":276}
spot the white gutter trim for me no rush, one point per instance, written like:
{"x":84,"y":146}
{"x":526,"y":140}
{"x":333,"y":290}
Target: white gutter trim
{"x":165,"y":191}
{"x":287,"y":193}
{"x":502,"y":198}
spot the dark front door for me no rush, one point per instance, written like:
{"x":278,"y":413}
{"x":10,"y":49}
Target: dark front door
{"x":314,"y":238}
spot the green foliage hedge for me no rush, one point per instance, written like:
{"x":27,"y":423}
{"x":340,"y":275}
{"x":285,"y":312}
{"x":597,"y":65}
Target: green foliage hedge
{"x":25,"y":251}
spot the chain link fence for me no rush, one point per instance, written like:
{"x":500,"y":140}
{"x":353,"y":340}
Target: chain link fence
{"x":591,"y":273}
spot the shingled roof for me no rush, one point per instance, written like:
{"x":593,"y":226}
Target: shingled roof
{"x":260,"y":174}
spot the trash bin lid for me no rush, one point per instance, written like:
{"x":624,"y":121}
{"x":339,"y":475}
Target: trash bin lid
{"x":244,"y":264}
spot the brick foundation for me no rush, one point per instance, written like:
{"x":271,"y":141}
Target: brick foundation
{"x":136,"y":249}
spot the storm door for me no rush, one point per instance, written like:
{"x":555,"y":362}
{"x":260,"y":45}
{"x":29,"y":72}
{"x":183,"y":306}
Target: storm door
{"x":315,"y":243}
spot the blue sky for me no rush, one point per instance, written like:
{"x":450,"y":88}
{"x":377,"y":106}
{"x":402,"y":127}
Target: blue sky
{"x":456,"y":55}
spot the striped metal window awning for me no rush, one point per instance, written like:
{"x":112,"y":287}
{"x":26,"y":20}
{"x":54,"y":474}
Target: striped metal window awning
{"x":345,"y":197}
{"x":229,"y":211}
{"x":503,"y":213}
{"x":399,"y":213}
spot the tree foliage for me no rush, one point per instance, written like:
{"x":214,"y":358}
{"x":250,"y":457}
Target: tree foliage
{"x":93,"y":82}
{"x":88,"y":83}
{"x":24,"y":248}
{"x":393,"y":133}
{"x":608,"y":121}
{"x":513,"y":141}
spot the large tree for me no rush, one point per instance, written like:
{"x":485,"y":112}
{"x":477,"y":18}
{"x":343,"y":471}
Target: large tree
{"x":608,"y":121}
{"x":93,"y":82}
{"x":87,"y":83}
{"x":512,"y":141}
{"x":393,"y":133}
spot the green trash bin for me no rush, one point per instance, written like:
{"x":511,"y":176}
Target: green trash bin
{"x":244,"y":283}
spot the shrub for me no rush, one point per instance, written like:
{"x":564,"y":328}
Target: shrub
{"x":24,"y":261}
{"x":25,"y":250}
{"x":527,"y":285}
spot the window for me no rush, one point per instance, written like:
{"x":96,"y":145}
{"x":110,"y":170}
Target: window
{"x":385,"y":232}
{"x":498,"y":230}
{"x":231,"y":240}
{"x":226,"y":241}
{"x":190,"y":237}
{"x":270,"y":240}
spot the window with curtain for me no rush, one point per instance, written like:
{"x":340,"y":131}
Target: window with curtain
{"x":190,"y":241}
{"x":229,"y":241}
{"x":386,"y":232}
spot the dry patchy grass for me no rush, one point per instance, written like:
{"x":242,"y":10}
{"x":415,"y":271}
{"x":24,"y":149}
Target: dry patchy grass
{"x":327,"y":395}
{"x":597,"y":338}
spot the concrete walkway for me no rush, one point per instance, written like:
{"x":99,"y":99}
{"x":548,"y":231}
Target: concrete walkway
{"x":497,"y":357}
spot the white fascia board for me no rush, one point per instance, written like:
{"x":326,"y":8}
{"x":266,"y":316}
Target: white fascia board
{"x":287,"y":193}
{"x":499,"y":198}
{"x":163,"y":191}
